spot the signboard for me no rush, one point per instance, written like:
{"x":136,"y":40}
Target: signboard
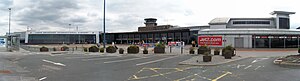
{"x":176,"y":43}
{"x":210,"y":40}
{"x":2,"y":42}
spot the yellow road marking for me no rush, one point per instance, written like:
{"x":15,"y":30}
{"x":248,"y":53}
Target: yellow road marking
{"x":134,"y":77}
{"x":221,"y":76}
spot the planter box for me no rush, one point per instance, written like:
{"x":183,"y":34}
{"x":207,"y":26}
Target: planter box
{"x":159,"y":50}
{"x":111,"y":49}
{"x":201,"y":51}
{"x":145,"y":52}
{"x":121,"y":51}
{"x":207,"y":58}
{"x":44,"y":49}
{"x":216,"y":52}
{"x":192,"y":52}
{"x":228,"y":54}
{"x":132,"y":51}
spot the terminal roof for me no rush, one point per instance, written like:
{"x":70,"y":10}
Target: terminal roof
{"x":282,"y":12}
{"x":223,"y":20}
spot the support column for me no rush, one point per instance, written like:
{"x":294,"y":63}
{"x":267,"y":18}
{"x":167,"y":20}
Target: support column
{"x":298,"y":41}
{"x":284,"y":41}
{"x":26,"y":38}
{"x":270,"y":44}
{"x":254,"y":38}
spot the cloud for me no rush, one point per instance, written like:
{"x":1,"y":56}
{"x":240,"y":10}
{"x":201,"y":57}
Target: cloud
{"x":127,"y":15}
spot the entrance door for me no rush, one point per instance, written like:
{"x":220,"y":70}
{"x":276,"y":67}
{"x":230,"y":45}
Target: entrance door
{"x":239,"y":42}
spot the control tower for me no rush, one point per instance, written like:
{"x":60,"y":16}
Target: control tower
{"x":150,"y":22}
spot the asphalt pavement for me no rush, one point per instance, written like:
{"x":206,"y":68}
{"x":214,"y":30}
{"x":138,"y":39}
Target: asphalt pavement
{"x":105,"y":67}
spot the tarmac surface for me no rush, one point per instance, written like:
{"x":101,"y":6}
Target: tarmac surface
{"x":79,"y":66}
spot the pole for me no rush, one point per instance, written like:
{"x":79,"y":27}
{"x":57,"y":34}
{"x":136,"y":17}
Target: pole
{"x":104,"y":37}
{"x":69,"y":34}
{"x":78,"y":35}
{"x":9,"y":19}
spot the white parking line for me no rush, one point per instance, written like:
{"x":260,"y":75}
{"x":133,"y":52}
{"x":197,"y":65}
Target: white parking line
{"x":42,"y":78}
{"x":258,"y":59}
{"x":257,"y":67}
{"x":59,"y":64}
{"x":91,"y":59}
{"x":248,"y":67}
{"x":238,"y":66}
{"x":155,"y":61}
{"x":127,"y":60}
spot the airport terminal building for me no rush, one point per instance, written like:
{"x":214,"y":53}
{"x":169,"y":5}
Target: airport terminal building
{"x":272,"y":32}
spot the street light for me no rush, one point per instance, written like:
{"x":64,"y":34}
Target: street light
{"x":69,"y":34}
{"x":9,"y":20}
{"x":104,"y":37}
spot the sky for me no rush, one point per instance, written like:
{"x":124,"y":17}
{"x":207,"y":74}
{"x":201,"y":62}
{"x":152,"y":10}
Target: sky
{"x":128,"y":15}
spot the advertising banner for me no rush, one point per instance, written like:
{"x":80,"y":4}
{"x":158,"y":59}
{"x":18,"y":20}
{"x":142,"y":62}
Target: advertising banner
{"x":210,"y":40}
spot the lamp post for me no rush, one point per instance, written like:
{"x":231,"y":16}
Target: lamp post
{"x":69,"y":34}
{"x":104,"y":37}
{"x":9,"y":19}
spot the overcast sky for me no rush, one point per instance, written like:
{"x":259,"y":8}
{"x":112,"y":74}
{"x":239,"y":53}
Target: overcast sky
{"x":128,"y":15}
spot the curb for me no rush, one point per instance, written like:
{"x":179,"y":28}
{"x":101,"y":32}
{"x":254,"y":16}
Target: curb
{"x":197,"y":64}
{"x":280,"y":62}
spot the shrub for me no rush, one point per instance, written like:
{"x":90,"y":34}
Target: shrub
{"x":159,"y":48}
{"x":229,"y":47}
{"x":93,"y":49}
{"x":111,"y":49}
{"x":133,"y":49}
{"x":203,"y":49}
{"x":228,"y":54}
{"x":160,"y":45}
{"x":121,"y":51}
{"x":102,"y":50}
{"x":192,"y":50}
{"x":44,"y":49}
{"x":85,"y":49}
{"x":64,"y":48}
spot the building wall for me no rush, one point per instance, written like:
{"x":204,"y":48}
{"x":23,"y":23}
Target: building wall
{"x":222,"y":26}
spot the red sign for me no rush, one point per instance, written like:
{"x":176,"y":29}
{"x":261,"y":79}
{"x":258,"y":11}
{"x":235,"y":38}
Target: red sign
{"x":210,"y":40}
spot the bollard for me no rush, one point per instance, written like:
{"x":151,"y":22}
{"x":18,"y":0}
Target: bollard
{"x":181,"y":48}
{"x":170,"y":49}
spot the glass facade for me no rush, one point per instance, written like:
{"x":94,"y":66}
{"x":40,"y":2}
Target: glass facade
{"x":118,"y":38}
{"x":251,"y":22}
{"x":61,"y":39}
{"x":284,"y":23}
{"x":275,"y":41}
